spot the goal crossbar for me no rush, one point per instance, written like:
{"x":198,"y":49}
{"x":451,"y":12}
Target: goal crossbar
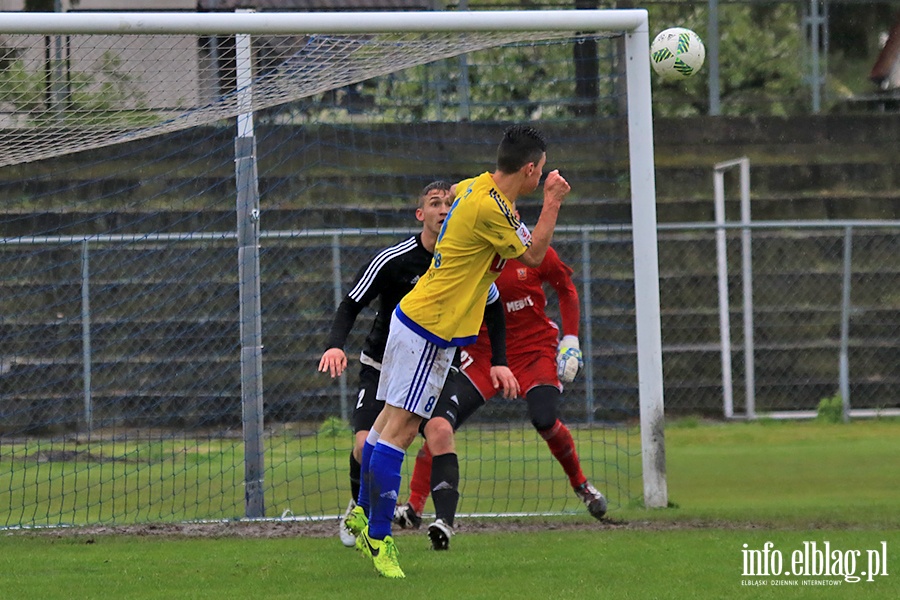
{"x":127,"y":23}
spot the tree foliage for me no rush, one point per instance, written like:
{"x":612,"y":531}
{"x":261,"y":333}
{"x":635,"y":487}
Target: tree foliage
{"x":762,"y":53}
{"x":761,"y":63}
{"x":104,"y":97}
{"x":761,"y":59}
{"x":514,"y":82}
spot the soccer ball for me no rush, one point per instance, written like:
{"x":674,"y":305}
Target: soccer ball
{"x":677,"y":53}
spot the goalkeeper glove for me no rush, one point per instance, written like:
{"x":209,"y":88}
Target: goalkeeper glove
{"x":569,"y":360}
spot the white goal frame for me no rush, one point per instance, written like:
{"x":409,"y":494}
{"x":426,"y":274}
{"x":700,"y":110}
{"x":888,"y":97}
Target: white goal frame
{"x":632,"y":22}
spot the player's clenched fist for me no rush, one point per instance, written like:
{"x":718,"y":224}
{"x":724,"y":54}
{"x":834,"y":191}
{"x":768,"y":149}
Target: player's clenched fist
{"x":555,"y":187}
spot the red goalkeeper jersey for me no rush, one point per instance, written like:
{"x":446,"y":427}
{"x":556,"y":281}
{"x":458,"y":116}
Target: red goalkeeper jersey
{"x":528,"y":329}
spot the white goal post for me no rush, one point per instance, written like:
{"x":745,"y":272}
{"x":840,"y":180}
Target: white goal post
{"x":632,"y":22}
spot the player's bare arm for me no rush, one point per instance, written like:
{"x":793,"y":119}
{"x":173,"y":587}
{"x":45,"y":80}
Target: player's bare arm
{"x":555,"y":190}
{"x":333,"y":361}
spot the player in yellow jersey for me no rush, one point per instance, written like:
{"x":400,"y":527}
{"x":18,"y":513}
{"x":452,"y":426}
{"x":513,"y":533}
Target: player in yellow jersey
{"x":445,"y":310}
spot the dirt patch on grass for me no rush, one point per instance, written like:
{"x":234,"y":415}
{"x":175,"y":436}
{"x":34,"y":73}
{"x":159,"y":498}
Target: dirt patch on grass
{"x":278,"y":528}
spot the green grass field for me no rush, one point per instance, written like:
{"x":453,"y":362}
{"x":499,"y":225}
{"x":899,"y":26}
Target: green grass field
{"x":731,"y":485}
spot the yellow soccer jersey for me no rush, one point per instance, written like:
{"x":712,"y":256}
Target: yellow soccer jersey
{"x":479,"y":234}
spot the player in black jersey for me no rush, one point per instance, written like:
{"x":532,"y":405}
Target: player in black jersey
{"x":389,"y":276}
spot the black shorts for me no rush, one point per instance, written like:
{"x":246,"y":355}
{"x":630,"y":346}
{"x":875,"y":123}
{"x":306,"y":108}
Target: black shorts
{"x":367,"y":408}
{"x":459,"y":400}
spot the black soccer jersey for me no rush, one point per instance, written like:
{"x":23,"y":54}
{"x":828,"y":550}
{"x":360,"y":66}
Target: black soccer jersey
{"x":389,"y":276}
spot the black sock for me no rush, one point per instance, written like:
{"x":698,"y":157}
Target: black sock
{"x":445,"y":486}
{"x":355,"y":471}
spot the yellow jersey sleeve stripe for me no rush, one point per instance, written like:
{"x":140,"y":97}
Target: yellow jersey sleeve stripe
{"x":504,"y":208}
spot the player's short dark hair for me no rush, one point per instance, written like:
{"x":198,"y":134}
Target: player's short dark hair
{"x":438,"y":184}
{"x":521,"y":144}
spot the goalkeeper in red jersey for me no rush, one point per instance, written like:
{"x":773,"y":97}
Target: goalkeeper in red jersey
{"x":539,"y":360}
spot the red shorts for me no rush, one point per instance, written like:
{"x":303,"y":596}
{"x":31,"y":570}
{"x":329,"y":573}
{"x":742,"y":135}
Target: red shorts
{"x":530,"y":369}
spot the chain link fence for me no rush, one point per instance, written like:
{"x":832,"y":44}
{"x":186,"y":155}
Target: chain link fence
{"x":820,"y":294}
{"x":147,"y":331}
{"x":121,"y":363}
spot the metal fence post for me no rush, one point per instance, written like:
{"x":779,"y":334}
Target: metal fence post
{"x":86,"y":336}
{"x":588,"y":337}
{"x":747,"y":286}
{"x":336,"y":283}
{"x":816,"y":21}
{"x":712,"y":47}
{"x":844,"y":369}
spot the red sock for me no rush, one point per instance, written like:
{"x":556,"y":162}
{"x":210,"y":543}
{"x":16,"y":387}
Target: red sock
{"x":420,"y":482}
{"x":562,"y":446}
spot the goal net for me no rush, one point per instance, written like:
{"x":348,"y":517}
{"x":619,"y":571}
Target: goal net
{"x":150,"y":372}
